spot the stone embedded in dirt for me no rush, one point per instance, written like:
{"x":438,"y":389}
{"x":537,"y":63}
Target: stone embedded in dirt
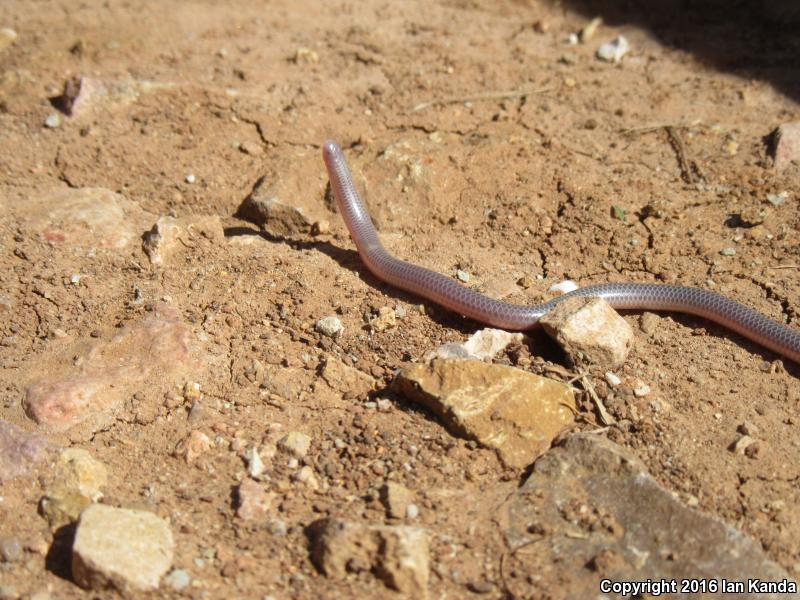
{"x":295,"y":443}
{"x":330,"y":326}
{"x":76,"y":484}
{"x":589,"y":330}
{"x":92,"y":386}
{"x":786,"y":145}
{"x":161,"y":239}
{"x":752,"y":216}
{"x":396,"y":498}
{"x":84,"y":217}
{"x":265,"y":208}
{"x":10,"y":550}
{"x":385,"y":319}
{"x":614,"y":50}
{"x":127,"y":550}
{"x":484,"y":344}
{"x":515,"y":412}
{"x":7,"y":37}
{"x":590,"y":502}
{"x":253,"y":501}
{"x":19,"y":451}
{"x":193,"y":446}
{"x":398,"y":555}
{"x":351,"y":382}
{"x":305,"y":475}
{"x":80,"y":93}
{"x":167,"y":233}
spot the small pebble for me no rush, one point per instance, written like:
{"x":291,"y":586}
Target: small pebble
{"x":177,"y":580}
{"x":614,"y":51}
{"x":10,"y":549}
{"x":52,"y":121}
{"x":330,"y":326}
{"x":277,"y":527}
{"x":728,"y":251}
{"x":255,"y":466}
{"x":612,"y":379}
{"x":412,"y":511}
{"x":777,"y":199}
{"x":75,"y":279}
{"x":563,"y":287}
{"x":641,"y":390}
{"x":748,"y":428}
{"x":462,"y":276}
{"x":190,"y":178}
{"x":7,"y":37}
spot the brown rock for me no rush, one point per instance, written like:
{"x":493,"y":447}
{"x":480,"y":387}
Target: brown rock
{"x":592,"y":502}
{"x":253,"y":500}
{"x":398,"y":555}
{"x":80,"y":94}
{"x":351,"y":382}
{"x":193,"y":446}
{"x":19,"y":451}
{"x":264,"y":208}
{"x":589,"y":330}
{"x":396,"y":498}
{"x":161,"y":240}
{"x":786,"y":145}
{"x":513,"y":411}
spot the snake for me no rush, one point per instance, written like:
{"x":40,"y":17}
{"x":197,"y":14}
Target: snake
{"x":444,"y":291}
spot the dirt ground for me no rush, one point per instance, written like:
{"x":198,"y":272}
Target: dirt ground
{"x":484,"y":142}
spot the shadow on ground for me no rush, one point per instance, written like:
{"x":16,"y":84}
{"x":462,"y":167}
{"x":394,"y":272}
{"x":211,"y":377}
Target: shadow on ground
{"x":755,"y":39}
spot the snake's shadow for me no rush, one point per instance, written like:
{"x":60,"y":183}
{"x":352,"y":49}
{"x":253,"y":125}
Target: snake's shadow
{"x":544,"y":346}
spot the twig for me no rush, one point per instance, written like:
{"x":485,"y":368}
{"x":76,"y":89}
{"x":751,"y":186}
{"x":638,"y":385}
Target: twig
{"x":785,"y":267}
{"x":689,"y":169}
{"x":605,"y":417}
{"x":478,"y":97}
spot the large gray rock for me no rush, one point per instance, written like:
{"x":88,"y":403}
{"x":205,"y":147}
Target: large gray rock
{"x":591,"y":511}
{"x":127,"y":550}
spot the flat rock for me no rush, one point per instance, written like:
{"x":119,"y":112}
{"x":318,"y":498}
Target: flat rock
{"x":398,"y":555}
{"x":515,"y":412}
{"x":295,"y":443}
{"x":77,"y":483}
{"x":90,"y":388}
{"x":267,"y":207}
{"x":81,"y":94}
{"x":128,"y":550}
{"x":786,"y":145}
{"x":84,"y":217}
{"x":19,"y":451}
{"x":169,"y":234}
{"x":591,"y":510}
{"x":396,"y":498}
{"x":589,"y":331}
{"x":484,"y":344}
{"x":348,"y":380}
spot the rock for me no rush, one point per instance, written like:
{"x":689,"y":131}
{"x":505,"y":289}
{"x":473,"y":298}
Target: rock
{"x":7,"y":37}
{"x":84,"y":217}
{"x":462,"y":276}
{"x":592,"y":509}
{"x":161,"y":239}
{"x":614,"y":51}
{"x":513,"y":411}
{"x":305,"y":475}
{"x":396,"y":498}
{"x":648,"y":323}
{"x":52,"y":121}
{"x":77,"y":483}
{"x":9,"y":592}
{"x":589,"y":330}
{"x":612,"y":379}
{"x":264,"y":208}
{"x":398,"y":555}
{"x":10,"y":549}
{"x":563,"y":287}
{"x":786,"y":145}
{"x":330,"y":326}
{"x":255,"y":466}
{"x":587,"y":33}
{"x":385,"y":319}
{"x":481,"y":345}
{"x":253,"y":500}
{"x":80,"y":94}
{"x":165,"y":236}
{"x":193,"y":446}
{"x":89,"y":389}
{"x":19,"y":451}
{"x":128,"y":550}
{"x":778,"y":199}
{"x":752,"y":216}
{"x":177,"y":580}
{"x":295,"y":443}
{"x":351,"y":382}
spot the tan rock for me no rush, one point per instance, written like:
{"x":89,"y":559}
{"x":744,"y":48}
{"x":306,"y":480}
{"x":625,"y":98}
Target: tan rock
{"x":589,"y":330}
{"x":78,"y":480}
{"x":385,"y":319}
{"x":161,"y":240}
{"x":253,"y":500}
{"x":481,"y":345}
{"x":351,"y":382}
{"x":295,"y":443}
{"x":193,"y":446}
{"x":513,"y":411}
{"x":398,"y":555}
{"x":264,"y":208}
{"x":396,"y":498}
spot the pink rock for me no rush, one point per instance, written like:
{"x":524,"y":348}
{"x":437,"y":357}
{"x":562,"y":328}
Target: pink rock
{"x":786,"y":140}
{"x":85,"y":217}
{"x":95,"y":384}
{"x":19,"y":450}
{"x":80,"y":93}
{"x":193,"y":446}
{"x":254,"y":501}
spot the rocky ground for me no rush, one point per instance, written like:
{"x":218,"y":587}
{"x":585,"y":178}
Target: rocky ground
{"x":204,"y":392}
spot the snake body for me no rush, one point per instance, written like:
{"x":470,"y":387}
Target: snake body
{"x":445,"y":291}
